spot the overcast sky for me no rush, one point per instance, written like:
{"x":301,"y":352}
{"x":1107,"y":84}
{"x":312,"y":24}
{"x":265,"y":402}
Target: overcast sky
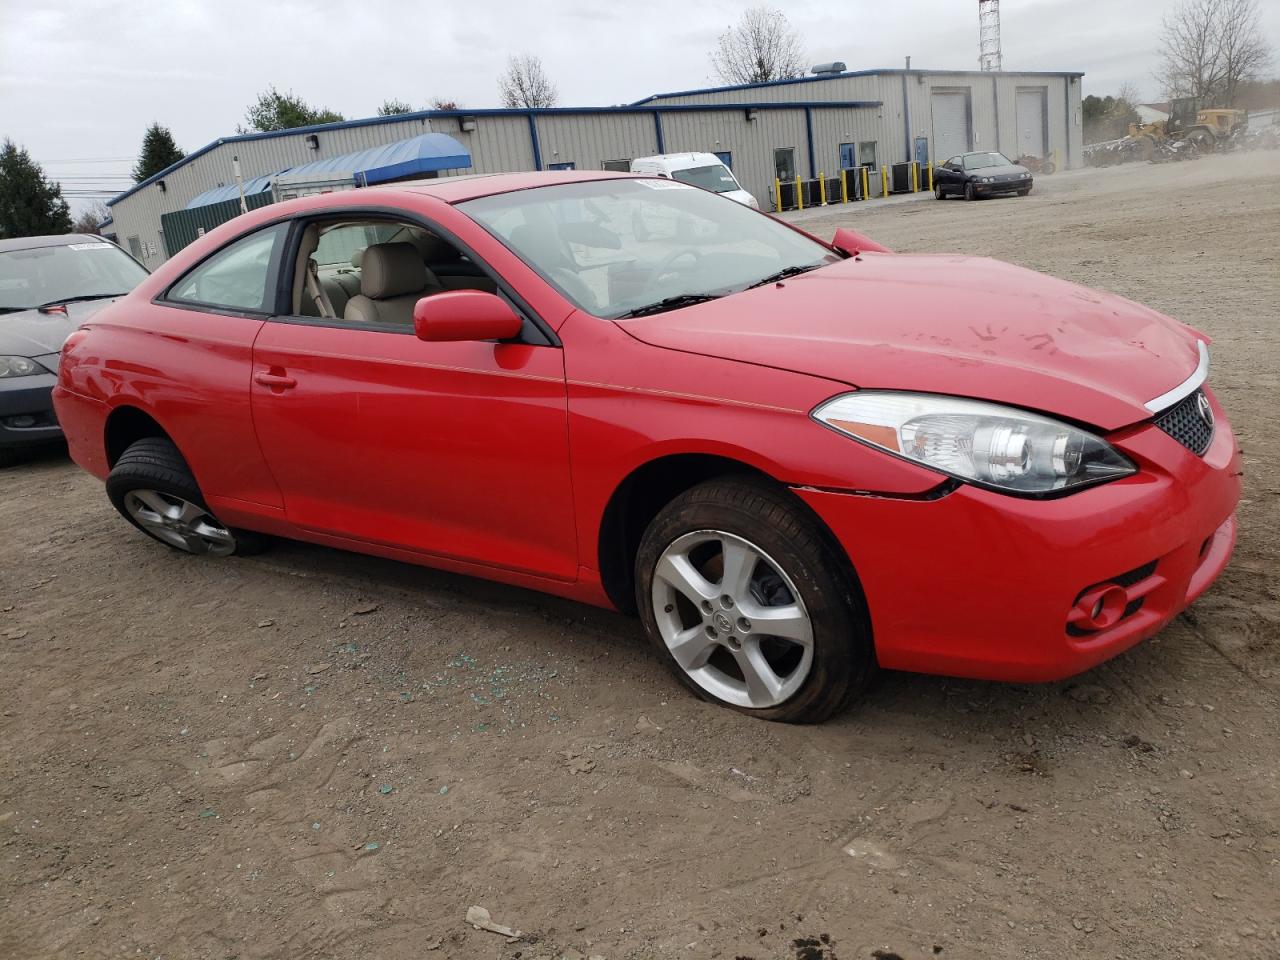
{"x":81,"y":79}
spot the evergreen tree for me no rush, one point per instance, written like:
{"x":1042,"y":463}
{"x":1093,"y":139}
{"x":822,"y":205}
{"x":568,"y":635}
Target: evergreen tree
{"x":158,"y":152}
{"x":30,"y":204}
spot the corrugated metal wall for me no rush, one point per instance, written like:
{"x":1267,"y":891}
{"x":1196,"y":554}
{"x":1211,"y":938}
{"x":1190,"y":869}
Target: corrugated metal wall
{"x":503,"y":142}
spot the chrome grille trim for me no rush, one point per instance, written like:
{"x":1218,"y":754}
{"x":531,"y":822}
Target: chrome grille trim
{"x":1187,"y":386}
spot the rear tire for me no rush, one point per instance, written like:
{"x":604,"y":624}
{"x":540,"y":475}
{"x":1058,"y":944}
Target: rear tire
{"x":731,"y":560}
{"x":153,"y":488}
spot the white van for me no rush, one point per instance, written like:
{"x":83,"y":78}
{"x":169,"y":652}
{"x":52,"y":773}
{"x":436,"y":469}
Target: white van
{"x":700,"y":169}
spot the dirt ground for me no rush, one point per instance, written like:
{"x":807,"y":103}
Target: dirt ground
{"x":316,"y":754}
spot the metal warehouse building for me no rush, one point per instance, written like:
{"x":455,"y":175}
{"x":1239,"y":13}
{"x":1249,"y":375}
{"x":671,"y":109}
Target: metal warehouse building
{"x":805,"y":128}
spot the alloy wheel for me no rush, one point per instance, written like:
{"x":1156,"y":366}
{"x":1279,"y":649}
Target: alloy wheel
{"x":732,"y":619}
{"x":179,"y":523}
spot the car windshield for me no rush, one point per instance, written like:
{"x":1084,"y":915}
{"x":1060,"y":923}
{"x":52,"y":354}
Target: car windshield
{"x":619,"y":247}
{"x":976,"y":161}
{"x":715,"y":178}
{"x":36,"y":276}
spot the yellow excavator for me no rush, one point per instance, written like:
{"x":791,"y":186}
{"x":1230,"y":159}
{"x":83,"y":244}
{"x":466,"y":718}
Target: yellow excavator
{"x":1204,"y":129}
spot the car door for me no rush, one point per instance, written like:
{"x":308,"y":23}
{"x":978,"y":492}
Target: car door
{"x":949,"y":175}
{"x":458,"y":450}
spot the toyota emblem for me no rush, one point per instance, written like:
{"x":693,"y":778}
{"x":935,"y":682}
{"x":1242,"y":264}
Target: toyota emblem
{"x":1205,"y":411}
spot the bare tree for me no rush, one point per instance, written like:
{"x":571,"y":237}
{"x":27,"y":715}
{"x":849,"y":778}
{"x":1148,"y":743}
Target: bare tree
{"x":1210,"y":47}
{"x":526,"y":84}
{"x":441,"y":103}
{"x":90,"y":217}
{"x":762,"y":47}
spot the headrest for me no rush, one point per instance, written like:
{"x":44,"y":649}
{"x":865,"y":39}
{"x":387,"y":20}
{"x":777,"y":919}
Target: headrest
{"x":392,"y":270}
{"x":357,"y":258}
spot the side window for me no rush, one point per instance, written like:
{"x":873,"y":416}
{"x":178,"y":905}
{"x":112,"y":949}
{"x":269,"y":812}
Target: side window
{"x":237,"y":277}
{"x":867,"y":154}
{"x":360,"y":272}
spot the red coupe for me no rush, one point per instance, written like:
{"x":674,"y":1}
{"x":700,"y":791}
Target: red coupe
{"x":797,"y":461}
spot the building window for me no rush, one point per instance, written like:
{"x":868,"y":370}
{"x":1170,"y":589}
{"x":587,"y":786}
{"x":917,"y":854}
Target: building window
{"x":784,"y":163}
{"x":135,"y":248}
{"x":725,"y":157}
{"x":566,"y":165}
{"x":618,"y":166}
{"x":867,"y":154}
{"x":848,"y":156}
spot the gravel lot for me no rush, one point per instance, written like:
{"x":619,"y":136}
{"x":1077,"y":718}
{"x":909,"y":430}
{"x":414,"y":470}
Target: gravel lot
{"x":317,"y":754}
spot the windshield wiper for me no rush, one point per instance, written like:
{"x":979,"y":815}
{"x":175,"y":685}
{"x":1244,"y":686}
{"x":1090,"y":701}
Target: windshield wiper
{"x":782,"y":275}
{"x":84,"y":296}
{"x":670,"y":303}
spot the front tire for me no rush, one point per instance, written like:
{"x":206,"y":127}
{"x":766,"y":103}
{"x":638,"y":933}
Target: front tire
{"x":968,"y":192}
{"x":937,"y":192}
{"x":747,"y":600}
{"x":153,"y":488}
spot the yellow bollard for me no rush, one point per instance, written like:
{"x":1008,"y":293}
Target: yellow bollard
{"x":915,"y":176}
{"x":930,"y":178}
{"x":844,"y":186}
{"x":777,"y":194}
{"x":866,"y":184}
{"x":799,"y":195}
{"x":884,"y":181}
{"x":822,"y":188}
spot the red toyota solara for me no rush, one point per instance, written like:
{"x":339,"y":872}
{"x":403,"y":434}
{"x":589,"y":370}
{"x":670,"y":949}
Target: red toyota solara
{"x":795,"y":460}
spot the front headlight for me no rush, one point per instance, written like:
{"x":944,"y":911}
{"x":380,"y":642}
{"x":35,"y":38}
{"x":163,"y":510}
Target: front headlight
{"x":19,"y":367}
{"x":987,"y":444}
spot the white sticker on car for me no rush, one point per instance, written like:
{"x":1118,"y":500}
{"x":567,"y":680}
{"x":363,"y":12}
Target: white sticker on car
{"x":89,"y":246}
{"x":665,"y":185}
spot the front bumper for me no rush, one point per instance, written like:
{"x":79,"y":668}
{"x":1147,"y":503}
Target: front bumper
{"x":976,"y":584}
{"x":997,"y":189}
{"x":26,"y":410}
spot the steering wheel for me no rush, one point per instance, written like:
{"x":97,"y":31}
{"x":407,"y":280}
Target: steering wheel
{"x":665,"y":265}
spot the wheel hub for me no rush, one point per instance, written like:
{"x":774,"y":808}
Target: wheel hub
{"x":179,"y":523}
{"x":732,"y":619}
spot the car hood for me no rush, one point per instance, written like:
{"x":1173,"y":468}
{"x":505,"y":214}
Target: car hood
{"x":956,"y":325}
{"x":1008,"y":170}
{"x":31,"y":333}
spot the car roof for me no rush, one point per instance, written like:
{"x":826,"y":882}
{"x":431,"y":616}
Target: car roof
{"x":62,"y":240}
{"x":470,"y":186}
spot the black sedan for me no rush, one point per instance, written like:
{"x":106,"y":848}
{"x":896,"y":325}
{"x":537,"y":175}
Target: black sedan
{"x":977,"y":175}
{"x":48,"y":287}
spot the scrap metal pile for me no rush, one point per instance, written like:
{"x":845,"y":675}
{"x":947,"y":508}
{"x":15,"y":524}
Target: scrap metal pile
{"x":1108,"y":153}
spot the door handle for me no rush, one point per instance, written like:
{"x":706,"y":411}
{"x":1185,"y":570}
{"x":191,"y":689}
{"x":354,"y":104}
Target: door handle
{"x":276,"y":381}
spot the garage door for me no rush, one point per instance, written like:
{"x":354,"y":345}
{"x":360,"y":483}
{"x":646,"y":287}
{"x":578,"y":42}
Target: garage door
{"x":1032,"y":128}
{"x":951,"y":134}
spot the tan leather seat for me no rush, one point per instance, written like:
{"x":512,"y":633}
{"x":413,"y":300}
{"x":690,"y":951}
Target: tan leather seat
{"x":393,"y":278}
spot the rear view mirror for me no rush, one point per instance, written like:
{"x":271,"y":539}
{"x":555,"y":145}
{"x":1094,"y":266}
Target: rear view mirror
{"x":459,"y":315}
{"x":851,"y":243}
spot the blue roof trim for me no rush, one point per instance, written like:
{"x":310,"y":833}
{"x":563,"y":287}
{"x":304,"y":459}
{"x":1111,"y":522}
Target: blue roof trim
{"x":495,"y":112}
{"x":232,"y":192}
{"x":813,"y":78}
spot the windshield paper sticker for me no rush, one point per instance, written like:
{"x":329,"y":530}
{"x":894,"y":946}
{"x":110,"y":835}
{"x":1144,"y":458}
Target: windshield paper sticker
{"x":665,"y":185}
{"x":89,"y":246}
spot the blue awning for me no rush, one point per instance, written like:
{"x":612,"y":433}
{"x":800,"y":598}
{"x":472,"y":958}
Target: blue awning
{"x":426,"y":153}
{"x":231,"y":192}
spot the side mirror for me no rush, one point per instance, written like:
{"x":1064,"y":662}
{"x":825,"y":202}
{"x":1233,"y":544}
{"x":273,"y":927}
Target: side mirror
{"x":851,"y":243}
{"x":459,"y":315}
